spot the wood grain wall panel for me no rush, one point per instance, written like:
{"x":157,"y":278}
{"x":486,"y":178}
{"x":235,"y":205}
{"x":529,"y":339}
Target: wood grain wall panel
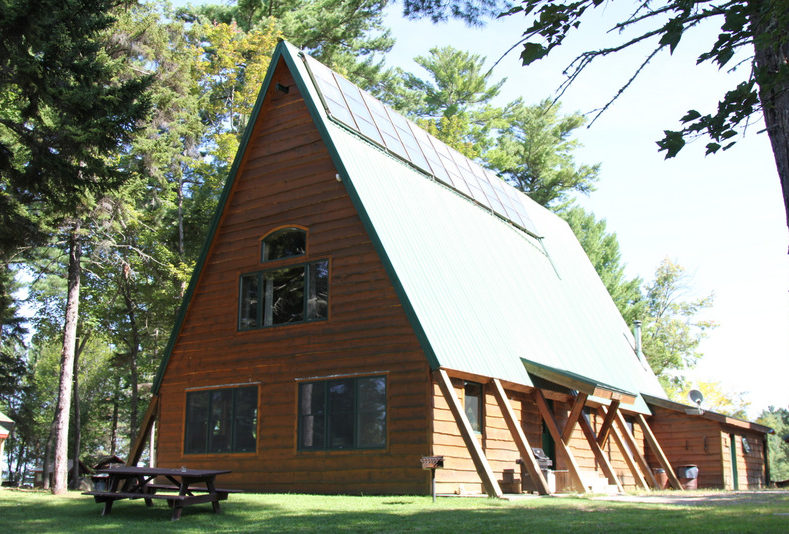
{"x":692,"y":440}
{"x":287,"y":178}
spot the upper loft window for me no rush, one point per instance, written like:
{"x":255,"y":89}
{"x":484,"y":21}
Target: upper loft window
{"x":284,"y":243}
{"x":287,"y":292}
{"x":293,"y":294}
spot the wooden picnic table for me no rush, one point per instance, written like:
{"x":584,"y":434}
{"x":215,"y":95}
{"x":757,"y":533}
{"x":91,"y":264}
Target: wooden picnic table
{"x":140,"y":483}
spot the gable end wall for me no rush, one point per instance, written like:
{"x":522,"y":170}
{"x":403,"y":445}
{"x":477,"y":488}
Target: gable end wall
{"x":287,"y":178}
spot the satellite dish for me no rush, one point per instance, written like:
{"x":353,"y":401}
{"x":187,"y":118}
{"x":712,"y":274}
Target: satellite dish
{"x":696,"y":397}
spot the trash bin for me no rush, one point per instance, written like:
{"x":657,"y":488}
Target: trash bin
{"x":688,"y":476}
{"x":661,"y":477}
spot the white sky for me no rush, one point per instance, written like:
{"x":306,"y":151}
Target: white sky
{"x":721,"y":217}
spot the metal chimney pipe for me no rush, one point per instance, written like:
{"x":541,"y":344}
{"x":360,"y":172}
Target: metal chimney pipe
{"x":637,"y":336}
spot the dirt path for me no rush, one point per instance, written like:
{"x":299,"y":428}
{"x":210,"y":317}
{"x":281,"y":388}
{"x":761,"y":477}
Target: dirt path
{"x":701,"y":497}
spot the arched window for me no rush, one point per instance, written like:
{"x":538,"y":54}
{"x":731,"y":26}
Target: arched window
{"x":284,"y":243}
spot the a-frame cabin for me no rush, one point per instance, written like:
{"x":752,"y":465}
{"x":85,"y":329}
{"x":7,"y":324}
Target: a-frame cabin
{"x":368,"y":296}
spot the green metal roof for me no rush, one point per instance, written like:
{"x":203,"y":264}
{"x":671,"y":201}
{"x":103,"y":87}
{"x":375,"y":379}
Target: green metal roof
{"x":480,"y":293}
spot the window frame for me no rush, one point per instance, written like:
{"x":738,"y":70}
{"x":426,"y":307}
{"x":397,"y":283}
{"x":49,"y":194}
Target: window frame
{"x":262,"y":246}
{"x":260,"y":276}
{"x":480,"y":405}
{"x":233,"y":416}
{"x":354,"y":416}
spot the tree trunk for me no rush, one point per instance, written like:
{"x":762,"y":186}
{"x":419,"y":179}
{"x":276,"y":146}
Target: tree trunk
{"x":75,"y":458}
{"x":48,"y":449}
{"x":771,"y":52}
{"x":75,"y":474}
{"x":114,"y":431}
{"x":181,"y":246}
{"x":134,"y":349}
{"x":67,"y":362}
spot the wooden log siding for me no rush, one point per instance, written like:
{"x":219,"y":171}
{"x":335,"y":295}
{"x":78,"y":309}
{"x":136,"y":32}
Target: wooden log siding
{"x":287,"y":177}
{"x":459,"y":474}
{"x":693,"y":440}
{"x":520,"y":439}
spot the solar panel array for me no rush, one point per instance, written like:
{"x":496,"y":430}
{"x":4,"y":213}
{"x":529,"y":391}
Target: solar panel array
{"x":362,"y":112}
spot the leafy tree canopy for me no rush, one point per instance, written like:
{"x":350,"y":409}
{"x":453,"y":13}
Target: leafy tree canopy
{"x":535,"y":153}
{"x":345,"y":35}
{"x":603,"y":251}
{"x":672,"y":328}
{"x":778,"y":420}
{"x":716,"y":398}
{"x":752,"y":36}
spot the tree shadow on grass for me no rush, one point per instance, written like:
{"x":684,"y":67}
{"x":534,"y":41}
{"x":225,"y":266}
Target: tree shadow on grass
{"x":305,"y":514}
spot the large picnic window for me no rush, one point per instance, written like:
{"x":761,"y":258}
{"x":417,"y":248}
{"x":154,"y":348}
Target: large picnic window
{"x":293,"y":294}
{"x":346,"y":413}
{"x":221,"y":420}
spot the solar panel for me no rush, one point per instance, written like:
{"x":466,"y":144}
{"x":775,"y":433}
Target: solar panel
{"x":363,"y":113}
{"x":330,"y":92}
{"x":385,"y":126}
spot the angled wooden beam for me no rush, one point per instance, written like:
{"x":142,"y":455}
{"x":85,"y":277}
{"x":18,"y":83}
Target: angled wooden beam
{"x":553,"y":428}
{"x":145,"y":428}
{"x":575,"y":413}
{"x":599,"y":454}
{"x":629,"y":460}
{"x":519,"y":437}
{"x":472,"y":444}
{"x":630,"y":441}
{"x":605,"y":428}
{"x":653,"y":443}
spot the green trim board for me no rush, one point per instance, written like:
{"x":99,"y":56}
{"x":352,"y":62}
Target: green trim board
{"x":706,"y":414}
{"x":311,"y":96}
{"x":220,"y":206}
{"x":577,"y":382}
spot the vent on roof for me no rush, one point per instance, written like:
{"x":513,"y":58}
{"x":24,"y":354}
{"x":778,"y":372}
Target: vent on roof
{"x":363,"y":113}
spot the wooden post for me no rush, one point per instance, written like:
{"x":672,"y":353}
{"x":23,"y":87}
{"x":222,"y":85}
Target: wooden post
{"x":553,"y":428}
{"x":599,"y":453}
{"x":575,"y":413}
{"x":605,"y":428}
{"x":653,"y":442}
{"x":472,"y":444}
{"x":527,"y":455}
{"x":631,"y":462}
{"x":630,"y":441}
{"x":145,"y":428}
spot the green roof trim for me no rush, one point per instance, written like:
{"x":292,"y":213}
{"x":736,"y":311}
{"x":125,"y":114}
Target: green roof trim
{"x":578,"y":382}
{"x":706,"y":414}
{"x":318,"y":118}
{"x":220,"y":207}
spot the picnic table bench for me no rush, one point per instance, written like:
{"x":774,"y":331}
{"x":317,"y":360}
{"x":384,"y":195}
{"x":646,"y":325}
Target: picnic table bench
{"x":139,"y":483}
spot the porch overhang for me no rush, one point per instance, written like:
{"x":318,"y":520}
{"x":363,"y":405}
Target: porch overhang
{"x":576,"y":382}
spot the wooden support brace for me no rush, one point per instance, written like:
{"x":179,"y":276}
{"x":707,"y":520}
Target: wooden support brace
{"x":519,"y":437}
{"x":653,"y":443}
{"x":145,"y":428}
{"x":605,"y":428}
{"x":472,"y":444}
{"x":599,"y":454}
{"x":631,"y":462}
{"x":630,"y":441}
{"x":553,"y":428}
{"x":575,"y":413}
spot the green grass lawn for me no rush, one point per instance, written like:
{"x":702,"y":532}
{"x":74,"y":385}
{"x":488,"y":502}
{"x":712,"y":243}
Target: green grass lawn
{"x":37,"y":512}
